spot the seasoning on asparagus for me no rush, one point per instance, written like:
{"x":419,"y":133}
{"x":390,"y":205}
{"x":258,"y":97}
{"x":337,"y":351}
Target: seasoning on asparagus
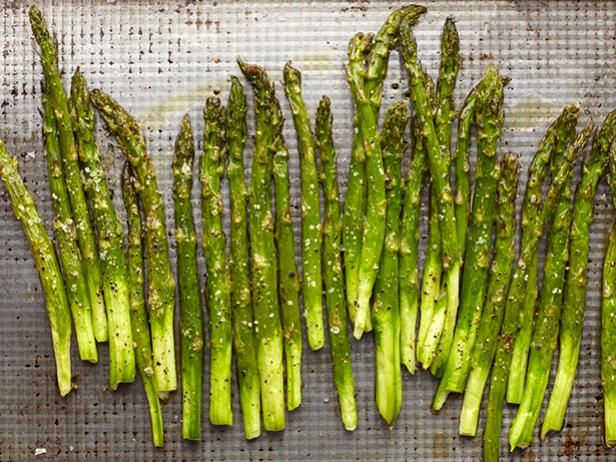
{"x":312,"y":285}
{"x":332,"y":269}
{"x":160,"y":282}
{"x":517,"y":291}
{"x":138,"y":314}
{"x":66,"y":238}
{"x":47,"y":265}
{"x":72,"y":175}
{"x":386,"y":307}
{"x":494,"y":307}
{"x":268,"y":329}
{"x":241,"y":308}
{"x":489,"y":121}
{"x":532,"y":201}
{"x":191,"y":322}
{"x":110,"y":237}
{"x":574,"y":300}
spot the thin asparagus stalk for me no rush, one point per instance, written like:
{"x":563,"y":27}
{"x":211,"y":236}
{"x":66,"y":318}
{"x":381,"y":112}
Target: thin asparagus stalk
{"x":439,"y":167}
{"x":545,"y":335}
{"x":517,"y":293}
{"x":211,"y":169}
{"x":574,"y":300}
{"x":312,"y":285}
{"x":608,"y":333}
{"x":138,"y":314}
{"x":494,"y":308}
{"x":489,"y":119}
{"x":50,"y":275}
{"x":265,"y":294}
{"x":110,"y":237}
{"x":332,"y":269}
{"x":191,"y":322}
{"x":532,"y":201}
{"x":160,"y":281}
{"x":72,"y":175}
{"x":66,"y":238}
{"x":243,"y":322}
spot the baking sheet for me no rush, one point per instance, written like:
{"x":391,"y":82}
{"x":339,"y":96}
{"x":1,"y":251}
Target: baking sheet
{"x":162,"y":59}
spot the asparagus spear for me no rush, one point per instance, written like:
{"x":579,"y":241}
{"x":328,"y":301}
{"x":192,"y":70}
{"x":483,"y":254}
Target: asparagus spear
{"x":332,"y":269}
{"x":385,"y":307}
{"x":532,"y":201}
{"x":138,"y":313}
{"x":161,"y":285}
{"x":439,"y":163}
{"x":191,"y":322}
{"x":70,"y":164}
{"x":66,"y":238}
{"x":211,"y":170}
{"x":312,"y":285}
{"x":241,"y":309}
{"x":517,"y":293}
{"x":50,"y":275}
{"x":572,"y":319}
{"x":265,"y":295}
{"x":494,"y":307}
{"x":110,"y":237}
{"x":545,"y":335}
{"x":489,"y":121}
{"x":288,"y":284}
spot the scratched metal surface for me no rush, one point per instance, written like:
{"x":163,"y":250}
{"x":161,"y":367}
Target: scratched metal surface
{"x":162,"y":59}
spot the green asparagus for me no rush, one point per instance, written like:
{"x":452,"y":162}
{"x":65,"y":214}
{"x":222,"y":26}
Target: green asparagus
{"x":160,"y":281}
{"x":241,"y":309}
{"x":138,"y":313}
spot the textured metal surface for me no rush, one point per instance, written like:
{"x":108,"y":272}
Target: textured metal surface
{"x":161,"y":59}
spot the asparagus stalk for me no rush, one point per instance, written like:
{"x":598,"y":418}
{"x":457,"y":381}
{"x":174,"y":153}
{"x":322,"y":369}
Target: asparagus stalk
{"x":241,"y":309}
{"x":608,"y":331}
{"x":312,"y":285}
{"x":489,"y":121}
{"x":211,"y":169}
{"x":160,"y":282}
{"x":72,"y":176}
{"x":265,"y":295}
{"x":572,"y":319}
{"x":517,"y":292}
{"x":191,"y":322}
{"x":532,"y":201}
{"x":332,"y":268}
{"x":138,"y":314}
{"x":110,"y":237}
{"x":439,"y":167}
{"x":66,"y":238}
{"x":50,"y":275}
{"x":494,"y":308}
{"x":545,"y":335}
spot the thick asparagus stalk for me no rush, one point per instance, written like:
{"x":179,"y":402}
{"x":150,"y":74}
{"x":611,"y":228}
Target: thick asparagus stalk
{"x":211,"y":169}
{"x":517,"y":293}
{"x":50,"y":275}
{"x":494,"y":308}
{"x":70,"y":164}
{"x":532,"y":201}
{"x":265,"y":294}
{"x":241,"y":308}
{"x":110,"y":237}
{"x":489,"y":121}
{"x":191,"y":322}
{"x":608,"y":333}
{"x":160,"y":282}
{"x":332,"y":269}
{"x":138,"y":314}
{"x":312,"y":285}
{"x":66,"y":238}
{"x":574,"y":300}
{"x":386,"y":307}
